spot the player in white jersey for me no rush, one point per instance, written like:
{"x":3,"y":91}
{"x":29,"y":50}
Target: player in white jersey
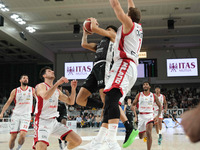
{"x":123,"y":74}
{"x":46,"y":111}
{"x":145,"y":101}
{"x":98,"y":77}
{"x":20,"y":120}
{"x":163,"y":103}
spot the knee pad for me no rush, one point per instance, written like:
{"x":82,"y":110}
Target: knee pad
{"x":113,"y":97}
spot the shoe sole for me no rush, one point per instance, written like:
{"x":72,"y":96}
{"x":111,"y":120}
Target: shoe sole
{"x":131,"y":138}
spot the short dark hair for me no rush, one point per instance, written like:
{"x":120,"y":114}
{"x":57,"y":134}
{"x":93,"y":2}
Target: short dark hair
{"x":146,"y":82}
{"x":157,"y":86}
{"x":43,"y":71}
{"x":135,"y":14}
{"x":23,"y":75}
{"x":112,"y":27}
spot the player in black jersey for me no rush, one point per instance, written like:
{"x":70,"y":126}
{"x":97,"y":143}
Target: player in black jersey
{"x":62,"y":117}
{"x":97,"y":79}
{"x":127,"y":110}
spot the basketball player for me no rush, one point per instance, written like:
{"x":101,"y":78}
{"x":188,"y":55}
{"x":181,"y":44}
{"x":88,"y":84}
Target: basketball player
{"x":62,"y":117}
{"x":46,"y":111}
{"x":190,"y":122}
{"x":146,"y":118}
{"x":98,"y":77}
{"x":173,"y":116}
{"x":128,"y":111}
{"x":124,"y":70}
{"x":20,"y":120}
{"x":163,"y":102}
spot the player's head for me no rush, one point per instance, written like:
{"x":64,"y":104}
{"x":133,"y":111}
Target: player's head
{"x":129,"y":100}
{"x":157,"y":89}
{"x":111,"y":28}
{"x":47,"y":72}
{"x":146,"y":86}
{"x":134,"y":14}
{"x":24,"y":79}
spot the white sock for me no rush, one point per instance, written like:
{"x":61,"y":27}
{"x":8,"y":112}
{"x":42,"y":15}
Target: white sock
{"x":101,"y":135}
{"x":19,"y":146}
{"x":112,"y":132}
{"x":160,"y":131}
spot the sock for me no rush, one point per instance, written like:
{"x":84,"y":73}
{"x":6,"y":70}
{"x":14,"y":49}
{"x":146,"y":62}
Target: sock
{"x":127,"y":125}
{"x":101,"y":135}
{"x":160,"y":131}
{"x":112,"y":132}
{"x":19,"y":146}
{"x":59,"y":140}
{"x":94,"y":103}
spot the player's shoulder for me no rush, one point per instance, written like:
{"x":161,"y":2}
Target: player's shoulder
{"x":40,"y":85}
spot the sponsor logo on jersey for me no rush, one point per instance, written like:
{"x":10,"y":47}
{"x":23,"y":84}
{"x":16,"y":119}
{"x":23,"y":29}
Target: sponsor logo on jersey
{"x":121,"y":73}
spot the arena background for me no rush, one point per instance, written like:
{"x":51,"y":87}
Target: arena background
{"x":57,"y":39}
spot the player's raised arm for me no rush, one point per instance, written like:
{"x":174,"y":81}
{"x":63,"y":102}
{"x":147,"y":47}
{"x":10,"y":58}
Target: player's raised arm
{"x":9,"y":101}
{"x":96,"y":29}
{"x":131,"y":4}
{"x":46,"y":94}
{"x":85,"y":44}
{"x":122,"y":17}
{"x":70,"y":100}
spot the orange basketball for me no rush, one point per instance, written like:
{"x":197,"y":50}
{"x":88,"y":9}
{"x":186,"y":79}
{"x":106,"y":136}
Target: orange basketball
{"x":87,"y":25}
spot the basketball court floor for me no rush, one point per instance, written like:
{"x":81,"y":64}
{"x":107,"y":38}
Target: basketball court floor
{"x":173,"y":139}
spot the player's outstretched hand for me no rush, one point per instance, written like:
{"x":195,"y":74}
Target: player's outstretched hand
{"x":94,"y":20}
{"x":155,"y":119}
{"x":190,"y":122}
{"x":87,"y":33}
{"x":74,"y":84}
{"x":62,"y":80}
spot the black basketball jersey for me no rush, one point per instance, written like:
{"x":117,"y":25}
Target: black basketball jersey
{"x":62,"y":108}
{"x":128,"y":110}
{"x":104,"y":50}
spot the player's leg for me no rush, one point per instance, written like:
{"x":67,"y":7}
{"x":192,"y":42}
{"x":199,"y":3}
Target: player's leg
{"x":13,"y":137}
{"x":24,"y":125}
{"x":64,"y":121}
{"x":41,"y":146}
{"x":88,"y":87}
{"x":73,"y":140}
{"x":82,"y":96}
{"x":21,"y":139}
{"x":149,"y":127}
{"x":15,"y":126}
{"x":160,"y":131}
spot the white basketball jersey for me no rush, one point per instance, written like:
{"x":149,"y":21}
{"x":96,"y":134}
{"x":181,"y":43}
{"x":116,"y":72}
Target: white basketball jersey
{"x":161,"y":100}
{"x":47,"y":108}
{"x":127,"y":46}
{"x":23,"y":101}
{"x":146,"y":103}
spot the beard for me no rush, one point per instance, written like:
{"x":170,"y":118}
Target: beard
{"x":145,"y":89}
{"x":24,"y":83}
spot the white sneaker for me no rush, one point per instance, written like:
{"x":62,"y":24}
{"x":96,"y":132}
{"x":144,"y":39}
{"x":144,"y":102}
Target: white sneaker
{"x":93,"y":145}
{"x":110,"y":145}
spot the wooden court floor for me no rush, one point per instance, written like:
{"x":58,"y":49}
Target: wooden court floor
{"x":173,"y":139}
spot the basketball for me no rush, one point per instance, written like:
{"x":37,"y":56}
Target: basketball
{"x":87,"y":26}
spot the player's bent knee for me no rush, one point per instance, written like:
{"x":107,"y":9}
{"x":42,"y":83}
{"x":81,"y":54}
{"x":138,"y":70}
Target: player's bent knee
{"x":41,"y":146}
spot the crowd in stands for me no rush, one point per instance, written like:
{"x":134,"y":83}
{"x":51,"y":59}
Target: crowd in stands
{"x":185,"y":98}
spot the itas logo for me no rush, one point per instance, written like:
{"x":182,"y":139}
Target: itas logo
{"x":78,"y":70}
{"x":70,"y":70}
{"x":182,"y":66}
{"x":121,"y":73}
